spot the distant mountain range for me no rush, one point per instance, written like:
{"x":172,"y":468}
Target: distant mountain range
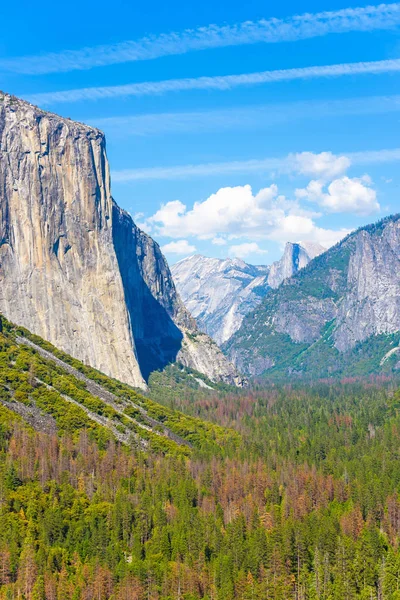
{"x":340,"y":315}
{"x":219,"y":293}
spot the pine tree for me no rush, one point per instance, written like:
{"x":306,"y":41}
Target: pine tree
{"x":130,"y":589}
{"x":391,"y":574}
{"x":5,"y":565}
{"x":27,"y":571}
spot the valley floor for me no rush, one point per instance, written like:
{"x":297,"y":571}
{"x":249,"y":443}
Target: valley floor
{"x":294,"y":494}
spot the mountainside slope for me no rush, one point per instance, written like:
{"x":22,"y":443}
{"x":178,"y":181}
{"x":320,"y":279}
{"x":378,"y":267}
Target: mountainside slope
{"x":55,"y":393}
{"x":341,"y":314}
{"x":219,"y":293}
{"x":74,"y":268}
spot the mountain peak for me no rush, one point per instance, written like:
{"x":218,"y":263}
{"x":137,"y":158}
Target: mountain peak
{"x":296,"y":256}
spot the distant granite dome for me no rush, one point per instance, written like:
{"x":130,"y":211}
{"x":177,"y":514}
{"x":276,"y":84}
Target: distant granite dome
{"x":219,"y":293}
{"x":295,"y":257}
{"x":340,"y":314}
{"x":74,"y":268}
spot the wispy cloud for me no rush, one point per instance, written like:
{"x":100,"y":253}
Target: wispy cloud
{"x":188,"y":171}
{"x":243,"y":167}
{"x":369,"y":18}
{"x":254,"y":116}
{"x":224,"y":82}
{"x":369,"y":157}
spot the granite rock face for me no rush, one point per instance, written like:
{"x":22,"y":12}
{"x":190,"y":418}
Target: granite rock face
{"x":74,"y":268}
{"x":219,"y":293}
{"x":371,"y":305}
{"x":295,"y":257}
{"x":347,"y":297}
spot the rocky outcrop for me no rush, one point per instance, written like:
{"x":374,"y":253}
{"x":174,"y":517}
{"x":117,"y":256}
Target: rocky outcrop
{"x":303,"y":319}
{"x":219,"y":293}
{"x":295,"y":257}
{"x":345,"y":298}
{"x":200,"y":352}
{"x":74,"y":268}
{"x":58,"y":269}
{"x":371,"y":305}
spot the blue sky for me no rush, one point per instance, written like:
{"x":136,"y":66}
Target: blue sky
{"x":231,"y":128}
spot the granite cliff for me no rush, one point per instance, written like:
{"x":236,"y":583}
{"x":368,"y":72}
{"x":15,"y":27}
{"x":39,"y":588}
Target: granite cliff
{"x":74,"y":268}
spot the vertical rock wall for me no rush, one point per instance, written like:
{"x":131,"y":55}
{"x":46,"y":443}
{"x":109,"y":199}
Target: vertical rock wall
{"x":74,"y":268}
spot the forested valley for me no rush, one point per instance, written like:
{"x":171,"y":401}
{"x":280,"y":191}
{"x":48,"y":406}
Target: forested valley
{"x":298,"y":499}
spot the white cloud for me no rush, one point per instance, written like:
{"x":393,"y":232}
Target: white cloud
{"x":324,"y":165}
{"x":297,"y":229}
{"x":179,"y":247}
{"x":368,"y":18}
{"x":235,"y":212}
{"x":263,"y":166}
{"x":231,"y":210}
{"x":238,"y":213}
{"x":218,"y":241}
{"x":346,"y":195}
{"x":243,"y":250}
{"x":222,"y":82}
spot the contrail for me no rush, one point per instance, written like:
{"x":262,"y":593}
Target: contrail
{"x":272,"y":30}
{"x":224,"y":82}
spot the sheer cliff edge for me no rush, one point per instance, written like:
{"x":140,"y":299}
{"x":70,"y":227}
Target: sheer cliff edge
{"x":74,"y":268}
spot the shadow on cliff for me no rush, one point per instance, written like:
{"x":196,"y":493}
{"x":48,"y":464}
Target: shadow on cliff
{"x":157,"y":338}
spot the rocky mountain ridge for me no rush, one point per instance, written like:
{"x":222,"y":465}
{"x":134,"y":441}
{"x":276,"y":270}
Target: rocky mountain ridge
{"x":74,"y":268}
{"x":220,"y":292}
{"x":340,"y":314}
